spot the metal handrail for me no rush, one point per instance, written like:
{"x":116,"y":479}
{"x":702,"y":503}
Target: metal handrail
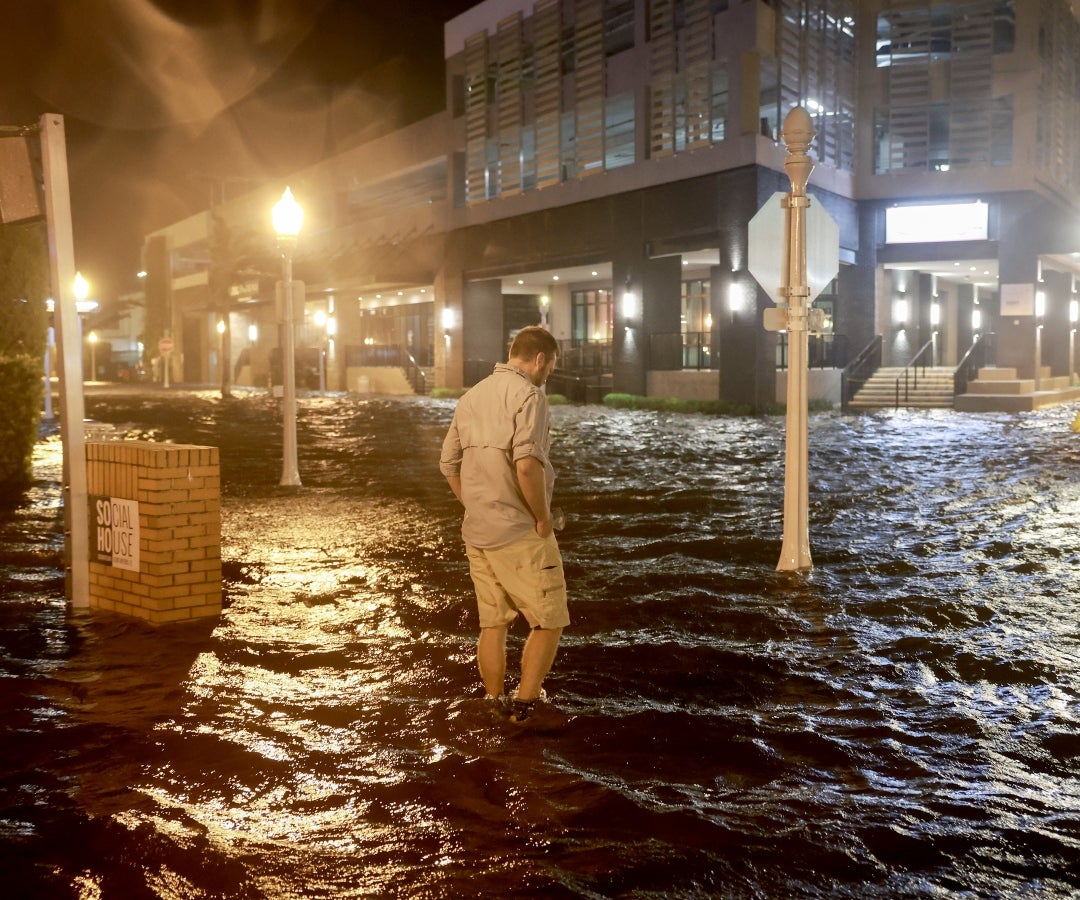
{"x":976,"y":357}
{"x":824,"y":351}
{"x":860,"y":370}
{"x":390,"y":356}
{"x":914,"y":367}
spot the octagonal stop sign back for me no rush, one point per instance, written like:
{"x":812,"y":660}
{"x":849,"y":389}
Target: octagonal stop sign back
{"x":767,"y":248}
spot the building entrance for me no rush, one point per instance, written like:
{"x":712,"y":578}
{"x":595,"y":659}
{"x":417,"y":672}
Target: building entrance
{"x":936,"y":308}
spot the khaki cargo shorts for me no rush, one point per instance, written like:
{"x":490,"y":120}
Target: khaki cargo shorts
{"x":524,"y":577}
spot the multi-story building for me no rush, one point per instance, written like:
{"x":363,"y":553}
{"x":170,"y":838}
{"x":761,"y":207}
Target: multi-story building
{"x":597,"y":164}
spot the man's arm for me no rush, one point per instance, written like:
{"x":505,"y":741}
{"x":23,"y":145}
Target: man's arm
{"x":450,"y":461}
{"x":530,"y":476}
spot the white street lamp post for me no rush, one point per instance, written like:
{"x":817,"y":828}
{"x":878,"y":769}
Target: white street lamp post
{"x":93,"y":339}
{"x":798,"y":133}
{"x":321,"y":322}
{"x":288,"y":217}
{"x":331,"y":333}
{"x":50,"y":343}
{"x":81,"y":289}
{"x":221,"y":357}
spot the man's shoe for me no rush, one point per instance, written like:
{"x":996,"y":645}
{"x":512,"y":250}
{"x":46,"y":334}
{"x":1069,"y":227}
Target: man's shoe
{"x":520,"y":710}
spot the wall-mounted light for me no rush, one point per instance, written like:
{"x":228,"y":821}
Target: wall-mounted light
{"x":1040,"y":303}
{"x":900,"y":311}
{"x":631,"y":307}
{"x":221,"y":326}
{"x":253,"y":333}
{"x":735,"y":298}
{"x":976,"y":319}
{"x":1074,"y":311}
{"x":935,"y":314}
{"x":448,"y":318}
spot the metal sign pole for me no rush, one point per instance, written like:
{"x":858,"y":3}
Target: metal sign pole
{"x":798,"y":133}
{"x":69,"y":357}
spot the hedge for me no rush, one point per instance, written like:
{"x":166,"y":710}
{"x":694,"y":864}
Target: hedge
{"x":22,"y":390}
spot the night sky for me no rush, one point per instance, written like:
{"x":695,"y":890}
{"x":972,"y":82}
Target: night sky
{"x":164,"y":99}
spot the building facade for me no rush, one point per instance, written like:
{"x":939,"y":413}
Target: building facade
{"x":596,"y":167}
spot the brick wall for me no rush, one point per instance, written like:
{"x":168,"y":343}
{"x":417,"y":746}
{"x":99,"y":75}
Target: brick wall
{"x":174,"y":573}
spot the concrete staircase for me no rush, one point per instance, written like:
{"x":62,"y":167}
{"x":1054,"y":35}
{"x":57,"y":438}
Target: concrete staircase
{"x":378,"y":380}
{"x":1001,"y":390}
{"x":934,"y":390}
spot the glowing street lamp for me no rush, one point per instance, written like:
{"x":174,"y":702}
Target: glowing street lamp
{"x":81,"y":287}
{"x":288,"y":218}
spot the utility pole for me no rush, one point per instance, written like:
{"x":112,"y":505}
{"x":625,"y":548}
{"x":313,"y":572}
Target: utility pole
{"x":69,"y":357}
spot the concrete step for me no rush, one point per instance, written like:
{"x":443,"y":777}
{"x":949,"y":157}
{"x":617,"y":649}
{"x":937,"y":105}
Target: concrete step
{"x":993,"y":373}
{"x":1001,"y":386}
{"x":890,"y":396}
{"x":912,"y":403}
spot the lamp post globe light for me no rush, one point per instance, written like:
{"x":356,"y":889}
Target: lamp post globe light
{"x":288,"y":218}
{"x":81,"y":287}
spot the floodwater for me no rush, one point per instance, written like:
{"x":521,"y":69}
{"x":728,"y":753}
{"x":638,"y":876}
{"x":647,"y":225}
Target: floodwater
{"x":902,"y":722}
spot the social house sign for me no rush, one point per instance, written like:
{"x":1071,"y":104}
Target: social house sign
{"x":114,"y":532}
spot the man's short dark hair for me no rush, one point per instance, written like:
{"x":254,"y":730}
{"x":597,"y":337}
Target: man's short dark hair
{"x":533,"y":339}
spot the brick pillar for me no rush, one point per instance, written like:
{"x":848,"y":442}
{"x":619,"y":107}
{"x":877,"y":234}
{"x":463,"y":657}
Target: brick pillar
{"x":155,"y":529}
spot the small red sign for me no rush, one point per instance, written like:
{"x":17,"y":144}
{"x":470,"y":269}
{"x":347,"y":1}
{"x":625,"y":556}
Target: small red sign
{"x":165,"y":345}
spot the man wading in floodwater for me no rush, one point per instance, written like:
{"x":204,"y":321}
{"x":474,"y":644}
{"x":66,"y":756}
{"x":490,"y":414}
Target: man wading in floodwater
{"x":495,"y":457}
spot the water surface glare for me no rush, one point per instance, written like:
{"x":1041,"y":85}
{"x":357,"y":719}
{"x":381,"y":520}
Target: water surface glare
{"x":902,"y":722}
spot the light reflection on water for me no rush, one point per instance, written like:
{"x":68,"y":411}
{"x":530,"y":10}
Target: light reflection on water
{"x":901,"y":722}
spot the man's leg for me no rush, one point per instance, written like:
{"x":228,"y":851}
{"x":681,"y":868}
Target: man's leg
{"x":491,"y":658}
{"x":536,"y":660}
